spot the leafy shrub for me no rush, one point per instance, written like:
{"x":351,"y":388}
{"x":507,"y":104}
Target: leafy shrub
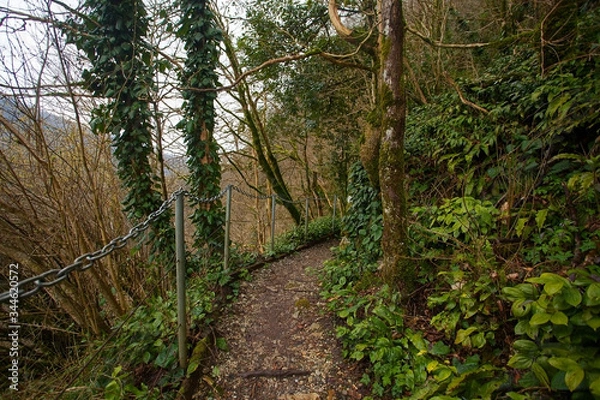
{"x":558,"y":319}
{"x":144,"y":347}
{"x":461,"y":218}
{"x":468,"y":311}
{"x":318,"y":229}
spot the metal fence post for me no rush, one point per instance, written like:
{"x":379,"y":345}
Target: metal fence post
{"x":180,"y":275}
{"x":227,"y":224}
{"x":273,"y":206}
{"x":333,"y":218}
{"x":306,"y":220}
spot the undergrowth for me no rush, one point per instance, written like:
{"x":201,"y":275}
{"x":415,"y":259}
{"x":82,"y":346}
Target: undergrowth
{"x":504,"y":241}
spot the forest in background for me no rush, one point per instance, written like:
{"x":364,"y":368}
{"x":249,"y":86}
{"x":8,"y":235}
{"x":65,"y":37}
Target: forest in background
{"x":107,"y":108}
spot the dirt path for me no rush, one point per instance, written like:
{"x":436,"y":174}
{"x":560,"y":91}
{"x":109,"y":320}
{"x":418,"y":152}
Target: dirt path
{"x":280,"y":326}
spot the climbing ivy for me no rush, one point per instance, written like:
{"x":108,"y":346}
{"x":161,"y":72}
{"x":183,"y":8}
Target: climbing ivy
{"x":121,"y":73}
{"x":201,"y":37}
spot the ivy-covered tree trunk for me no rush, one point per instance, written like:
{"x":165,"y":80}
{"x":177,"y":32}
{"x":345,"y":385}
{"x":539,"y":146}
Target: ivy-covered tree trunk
{"x":392,"y":103}
{"x":201,"y":36}
{"x":114,"y":41}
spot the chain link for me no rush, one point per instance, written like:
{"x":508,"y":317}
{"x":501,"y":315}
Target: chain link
{"x":251,"y":195}
{"x":198,"y":200}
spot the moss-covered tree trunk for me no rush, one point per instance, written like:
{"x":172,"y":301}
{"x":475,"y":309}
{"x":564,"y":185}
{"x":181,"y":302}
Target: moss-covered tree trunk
{"x":382,"y":153}
{"x":392,"y":103}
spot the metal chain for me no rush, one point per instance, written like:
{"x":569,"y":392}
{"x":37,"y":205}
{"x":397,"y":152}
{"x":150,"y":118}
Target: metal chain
{"x":198,"y":200}
{"x":251,"y":195}
{"x":85,"y":261}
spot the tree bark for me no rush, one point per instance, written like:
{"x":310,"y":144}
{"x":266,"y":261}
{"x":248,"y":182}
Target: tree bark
{"x":392,"y":101}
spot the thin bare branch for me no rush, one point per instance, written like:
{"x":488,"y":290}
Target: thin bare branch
{"x":434,"y":43}
{"x":462,"y":97}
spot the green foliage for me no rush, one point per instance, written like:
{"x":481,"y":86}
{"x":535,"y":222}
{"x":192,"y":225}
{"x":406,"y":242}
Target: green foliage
{"x":402,"y":362}
{"x":362,"y":224}
{"x":113,"y":37}
{"x":142,"y":359}
{"x":463,"y":218}
{"x":496,"y":194}
{"x":201,"y":36}
{"x":558,"y":319}
{"x":317,"y":229}
{"x":467,"y":312}
{"x":118,"y":389}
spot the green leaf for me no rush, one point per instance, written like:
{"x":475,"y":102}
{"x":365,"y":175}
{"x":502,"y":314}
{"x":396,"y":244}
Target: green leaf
{"x":478,"y":340}
{"x":112,"y":391}
{"x":541,"y":374}
{"x":520,"y":226}
{"x":527,"y":346}
{"x":553,"y":287}
{"x":440,"y":349}
{"x":540,"y":218}
{"x":540,"y":318}
{"x":564,"y":363}
{"x":513,"y":293}
{"x":443,"y":373}
{"x":519,"y":361}
{"x":521,"y":308}
{"x":593,"y":295}
{"x":552,"y":283}
{"x":572,"y":296}
{"x":573,"y":378}
{"x":595,"y":387}
{"x":559,"y":318}
{"x":463,"y":334}
{"x":521,"y":327}
{"x":593,"y":323}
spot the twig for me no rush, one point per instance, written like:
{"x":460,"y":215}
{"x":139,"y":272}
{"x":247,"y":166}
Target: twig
{"x":462,"y":97}
{"x":279,"y":373}
{"x":433,"y":43}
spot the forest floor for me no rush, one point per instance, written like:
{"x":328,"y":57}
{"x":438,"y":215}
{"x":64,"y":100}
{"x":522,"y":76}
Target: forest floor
{"x":280,"y":338}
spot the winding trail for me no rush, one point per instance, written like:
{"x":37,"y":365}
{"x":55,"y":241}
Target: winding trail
{"x":281,"y":338}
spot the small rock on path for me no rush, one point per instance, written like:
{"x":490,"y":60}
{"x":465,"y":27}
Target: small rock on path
{"x":281,"y":339}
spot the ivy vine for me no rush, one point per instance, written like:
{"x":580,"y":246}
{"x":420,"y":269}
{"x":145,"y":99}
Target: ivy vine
{"x":201,"y":37}
{"x":112,"y":35}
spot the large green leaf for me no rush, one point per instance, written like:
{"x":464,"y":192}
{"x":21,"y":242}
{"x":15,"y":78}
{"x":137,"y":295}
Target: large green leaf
{"x":564,"y":363}
{"x":559,"y":318}
{"x":593,"y":295}
{"x":541,"y":374}
{"x":540,"y":318}
{"x":595,"y":387}
{"x":573,"y":378}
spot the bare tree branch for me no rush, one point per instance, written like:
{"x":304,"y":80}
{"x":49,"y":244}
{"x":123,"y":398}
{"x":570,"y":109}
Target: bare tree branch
{"x":268,"y":63}
{"x":434,"y":43}
{"x":462,"y":97}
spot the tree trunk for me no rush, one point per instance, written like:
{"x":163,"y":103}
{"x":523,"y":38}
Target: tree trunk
{"x":382,"y":154}
{"x":392,"y":100}
{"x":260,"y":141}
